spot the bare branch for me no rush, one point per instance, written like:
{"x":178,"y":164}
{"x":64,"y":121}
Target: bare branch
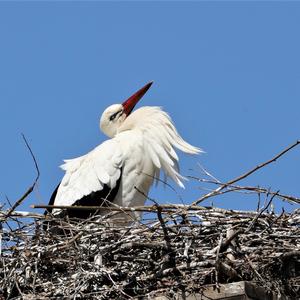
{"x":31,"y":188}
{"x":243,"y":176}
{"x":255,"y":189}
{"x":145,"y":208}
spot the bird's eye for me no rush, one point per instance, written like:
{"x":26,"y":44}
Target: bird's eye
{"x":113,"y":116}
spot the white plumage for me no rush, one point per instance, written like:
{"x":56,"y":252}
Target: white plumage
{"x":142,"y":144}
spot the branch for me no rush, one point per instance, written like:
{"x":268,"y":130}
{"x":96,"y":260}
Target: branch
{"x":31,"y":188}
{"x":243,"y":176}
{"x":260,"y":213}
{"x":151,"y":208}
{"x":253,"y":189}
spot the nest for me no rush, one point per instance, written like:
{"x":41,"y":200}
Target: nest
{"x":175,"y":251}
{"x":179,"y":250}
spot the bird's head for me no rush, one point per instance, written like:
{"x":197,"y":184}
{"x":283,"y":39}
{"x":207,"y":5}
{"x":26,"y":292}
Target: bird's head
{"x":113,"y":117}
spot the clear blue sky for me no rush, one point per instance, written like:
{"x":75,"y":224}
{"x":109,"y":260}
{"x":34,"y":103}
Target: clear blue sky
{"x":227,"y":72}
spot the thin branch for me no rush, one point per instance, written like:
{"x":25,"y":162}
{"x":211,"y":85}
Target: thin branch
{"x":171,"y":255}
{"x":260,"y":213}
{"x":205,"y":172}
{"x":243,"y":176}
{"x":31,"y":188}
{"x":150,"y":208}
{"x":255,"y":189}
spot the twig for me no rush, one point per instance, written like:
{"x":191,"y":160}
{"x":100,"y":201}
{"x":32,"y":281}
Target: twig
{"x":31,"y":188}
{"x":254,"y":189}
{"x":253,"y":268}
{"x":243,"y":176}
{"x":217,"y":262}
{"x":207,"y":173}
{"x":171,"y":262}
{"x":260,"y":213}
{"x":229,"y":239}
{"x":145,"y":208}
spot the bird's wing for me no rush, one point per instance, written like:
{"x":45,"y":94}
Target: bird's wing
{"x":96,"y":173}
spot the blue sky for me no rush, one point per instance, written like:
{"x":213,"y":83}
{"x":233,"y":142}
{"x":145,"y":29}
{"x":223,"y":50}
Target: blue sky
{"x":227,"y":72}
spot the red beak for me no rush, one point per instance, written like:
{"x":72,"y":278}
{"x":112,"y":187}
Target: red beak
{"x":130,"y":103}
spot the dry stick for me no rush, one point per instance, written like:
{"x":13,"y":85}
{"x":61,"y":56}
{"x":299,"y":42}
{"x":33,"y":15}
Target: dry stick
{"x":226,"y":243}
{"x":158,"y":208}
{"x":253,"y":268}
{"x":216,"y":191}
{"x":30,"y":189}
{"x":107,"y":203}
{"x":67,"y":244}
{"x":116,"y":286}
{"x":253,"y":189}
{"x":151,"y":208}
{"x":260,"y":213}
{"x":13,"y":219}
{"x":258,"y":201}
{"x":171,"y":263}
{"x":217,"y":262}
{"x":144,"y":208}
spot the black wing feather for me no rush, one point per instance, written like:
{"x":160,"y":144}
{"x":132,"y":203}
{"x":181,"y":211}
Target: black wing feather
{"x":98,"y":198}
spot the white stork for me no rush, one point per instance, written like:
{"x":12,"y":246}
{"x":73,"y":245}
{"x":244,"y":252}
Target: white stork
{"x":121,"y":169}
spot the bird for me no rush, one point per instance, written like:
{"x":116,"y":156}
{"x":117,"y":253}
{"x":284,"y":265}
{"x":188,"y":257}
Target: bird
{"x":121,"y":170}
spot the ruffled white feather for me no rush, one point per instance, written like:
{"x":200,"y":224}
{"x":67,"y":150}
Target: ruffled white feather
{"x":144,"y":145}
{"x":160,"y":138}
